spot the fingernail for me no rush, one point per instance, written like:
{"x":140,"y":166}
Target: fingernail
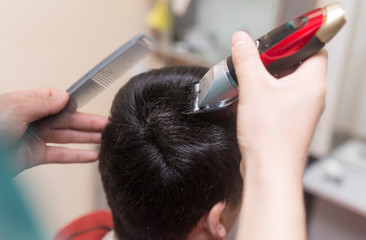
{"x":239,"y":38}
{"x":60,"y":94}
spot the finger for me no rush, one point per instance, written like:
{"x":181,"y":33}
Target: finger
{"x":73,"y":136}
{"x":66,"y":155}
{"x":85,"y":122}
{"x":37,"y":103}
{"x":322,"y":55}
{"x":246,"y":58}
{"x":314,"y":67}
{"x":286,"y":72}
{"x":311,"y":75}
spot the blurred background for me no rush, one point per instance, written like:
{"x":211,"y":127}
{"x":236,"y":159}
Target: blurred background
{"x":54,"y":43}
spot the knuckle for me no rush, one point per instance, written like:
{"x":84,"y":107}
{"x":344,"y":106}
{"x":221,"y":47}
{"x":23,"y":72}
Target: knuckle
{"x":324,"y":52}
{"x":61,"y":155}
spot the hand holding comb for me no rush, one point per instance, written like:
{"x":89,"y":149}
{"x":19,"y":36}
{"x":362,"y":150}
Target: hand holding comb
{"x":95,"y":81}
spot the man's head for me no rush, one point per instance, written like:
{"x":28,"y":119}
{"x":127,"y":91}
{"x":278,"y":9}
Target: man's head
{"x":164,"y":170}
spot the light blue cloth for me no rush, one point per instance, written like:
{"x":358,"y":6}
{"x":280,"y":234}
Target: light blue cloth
{"x":16,"y":223}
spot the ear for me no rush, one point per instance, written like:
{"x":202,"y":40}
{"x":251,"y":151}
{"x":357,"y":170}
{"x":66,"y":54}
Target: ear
{"x":213,"y":221}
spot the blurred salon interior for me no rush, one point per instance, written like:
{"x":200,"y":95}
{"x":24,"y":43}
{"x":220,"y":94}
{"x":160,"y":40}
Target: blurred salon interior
{"x":54,"y":43}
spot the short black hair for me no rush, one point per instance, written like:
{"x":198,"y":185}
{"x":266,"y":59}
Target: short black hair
{"x":163,"y":169}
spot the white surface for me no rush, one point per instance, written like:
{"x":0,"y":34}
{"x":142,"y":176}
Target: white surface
{"x":338,"y":211}
{"x":331,"y":222}
{"x":341,"y":177}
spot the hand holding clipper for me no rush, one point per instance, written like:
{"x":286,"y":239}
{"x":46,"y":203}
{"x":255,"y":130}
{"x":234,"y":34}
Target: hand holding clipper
{"x":282,"y":48}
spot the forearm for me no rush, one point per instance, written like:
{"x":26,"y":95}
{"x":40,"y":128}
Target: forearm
{"x":273,"y":206}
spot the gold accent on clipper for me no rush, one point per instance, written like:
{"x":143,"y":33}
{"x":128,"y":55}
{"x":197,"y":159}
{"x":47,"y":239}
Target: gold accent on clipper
{"x":334,"y":19}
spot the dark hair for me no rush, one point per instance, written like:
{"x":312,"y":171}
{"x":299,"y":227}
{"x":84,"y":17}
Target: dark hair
{"x":161,"y":168}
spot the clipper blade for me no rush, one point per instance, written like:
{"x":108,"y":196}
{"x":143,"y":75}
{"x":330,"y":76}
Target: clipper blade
{"x":216,"y":90}
{"x":95,"y":81}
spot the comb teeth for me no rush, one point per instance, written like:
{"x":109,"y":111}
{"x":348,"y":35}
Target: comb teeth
{"x":95,"y":81}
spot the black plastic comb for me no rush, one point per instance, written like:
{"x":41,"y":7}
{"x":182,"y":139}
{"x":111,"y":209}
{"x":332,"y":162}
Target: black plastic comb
{"x":95,"y":81}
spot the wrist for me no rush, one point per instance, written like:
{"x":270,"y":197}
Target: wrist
{"x":271,"y":168}
{"x":270,"y":193}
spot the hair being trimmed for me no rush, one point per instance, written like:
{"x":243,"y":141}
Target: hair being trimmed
{"x":163,"y":169}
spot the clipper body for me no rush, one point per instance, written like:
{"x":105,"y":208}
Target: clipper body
{"x":282,"y":48}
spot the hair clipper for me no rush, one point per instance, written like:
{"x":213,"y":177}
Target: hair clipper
{"x":282,"y":48}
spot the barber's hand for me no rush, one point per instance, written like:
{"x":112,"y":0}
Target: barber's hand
{"x":18,"y":109}
{"x":277,"y":117}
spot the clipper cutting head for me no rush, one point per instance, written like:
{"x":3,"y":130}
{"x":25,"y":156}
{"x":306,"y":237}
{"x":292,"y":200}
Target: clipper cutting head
{"x":216,"y":90}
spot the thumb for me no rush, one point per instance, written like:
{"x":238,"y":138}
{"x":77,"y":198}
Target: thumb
{"x":41,"y":102}
{"x":246,"y":58}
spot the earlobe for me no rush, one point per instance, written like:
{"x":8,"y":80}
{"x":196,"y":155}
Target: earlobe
{"x":213,"y":221}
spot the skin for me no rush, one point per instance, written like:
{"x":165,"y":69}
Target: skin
{"x":18,"y":109}
{"x":276,"y":122}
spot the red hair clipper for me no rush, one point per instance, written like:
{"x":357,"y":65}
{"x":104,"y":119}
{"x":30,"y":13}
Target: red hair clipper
{"x":281,"y":49}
